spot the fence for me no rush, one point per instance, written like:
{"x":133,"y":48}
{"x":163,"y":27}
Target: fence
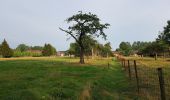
{"x":151,"y":83}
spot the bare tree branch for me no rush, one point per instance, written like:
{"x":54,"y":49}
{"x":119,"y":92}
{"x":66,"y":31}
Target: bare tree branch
{"x":70,"y":33}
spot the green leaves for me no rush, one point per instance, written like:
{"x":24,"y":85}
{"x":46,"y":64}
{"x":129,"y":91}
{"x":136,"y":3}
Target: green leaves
{"x":48,"y":50}
{"x":85,"y":24}
{"x":6,"y":51}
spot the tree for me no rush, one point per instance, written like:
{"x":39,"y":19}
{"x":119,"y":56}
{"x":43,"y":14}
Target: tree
{"x":108,"y":49}
{"x":165,"y":35}
{"x":74,"y":49}
{"x":22,"y":47}
{"x":125,"y":48}
{"x":36,"y":48}
{"x":6,"y":50}
{"x":85,"y":24}
{"x":48,"y":50}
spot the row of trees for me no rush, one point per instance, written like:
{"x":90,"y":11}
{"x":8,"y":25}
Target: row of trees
{"x":24,"y":50}
{"x":159,"y":46}
{"x":93,"y":49}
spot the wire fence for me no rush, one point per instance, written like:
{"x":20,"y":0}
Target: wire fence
{"x":151,"y":83}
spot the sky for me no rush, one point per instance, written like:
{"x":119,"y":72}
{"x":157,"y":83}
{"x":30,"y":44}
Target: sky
{"x":36,"y":22}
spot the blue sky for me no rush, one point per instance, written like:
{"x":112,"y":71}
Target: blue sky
{"x":35,"y":22}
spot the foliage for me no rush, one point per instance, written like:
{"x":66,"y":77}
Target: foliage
{"x":85,"y":25}
{"x":105,"y":50}
{"x":18,"y":53}
{"x":48,"y":50}
{"x":165,"y":35}
{"x":6,"y":50}
{"x":74,"y":49}
{"x":125,"y":48}
{"x":22,"y":47}
{"x":58,"y":79}
{"x":36,"y":48}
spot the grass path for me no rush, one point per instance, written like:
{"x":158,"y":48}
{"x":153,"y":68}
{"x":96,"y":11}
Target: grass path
{"x":63,"y":79}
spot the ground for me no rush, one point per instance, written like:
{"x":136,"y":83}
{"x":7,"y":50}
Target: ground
{"x":63,"y":79}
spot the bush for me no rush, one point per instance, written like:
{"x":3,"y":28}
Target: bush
{"x":6,"y":51}
{"x":26,"y":54}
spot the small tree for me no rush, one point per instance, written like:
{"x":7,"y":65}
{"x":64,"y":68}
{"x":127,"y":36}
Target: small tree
{"x":6,"y":50}
{"x":125,"y":48}
{"x":85,"y":24}
{"x":22,"y":47}
{"x":48,"y":50}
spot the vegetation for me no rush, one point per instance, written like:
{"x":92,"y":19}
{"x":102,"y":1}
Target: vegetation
{"x":125,"y":48}
{"x":18,"y":53}
{"x":62,"y":79}
{"x":159,"y":46}
{"x":48,"y":50}
{"x":24,"y":47}
{"x":92,"y":49}
{"x":6,"y":51}
{"x":85,"y":25}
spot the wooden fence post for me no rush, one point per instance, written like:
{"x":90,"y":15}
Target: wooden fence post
{"x":129,"y":70}
{"x":161,"y":83}
{"x":136,"y":74}
{"x":124,"y":63}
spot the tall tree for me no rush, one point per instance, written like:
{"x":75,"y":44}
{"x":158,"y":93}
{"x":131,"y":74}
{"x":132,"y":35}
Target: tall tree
{"x":108,"y":49}
{"x":22,"y":47}
{"x":125,"y":48}
{"x":84,"y":24}
{"x":48,"y":50}
{"x":165,"y":35}
{"x":6,"y":50}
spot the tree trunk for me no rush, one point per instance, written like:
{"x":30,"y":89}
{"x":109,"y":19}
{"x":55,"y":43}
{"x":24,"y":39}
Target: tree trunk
{"x":92,"y":53}
{"x":81,"y":55}
{"x":156,"y":56}
{"x":164,"y":55}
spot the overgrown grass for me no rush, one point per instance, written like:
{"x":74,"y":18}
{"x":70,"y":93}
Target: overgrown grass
{"x":62,"y":79}
{"x":151,"y":62}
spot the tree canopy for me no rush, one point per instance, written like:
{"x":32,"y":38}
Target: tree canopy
{"x":85,"y":25}
{"x":48,"y":50}
{"x":6,"y":51}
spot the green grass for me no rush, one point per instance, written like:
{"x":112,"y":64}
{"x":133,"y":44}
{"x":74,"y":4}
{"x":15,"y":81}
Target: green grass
{"x":63,"y":79}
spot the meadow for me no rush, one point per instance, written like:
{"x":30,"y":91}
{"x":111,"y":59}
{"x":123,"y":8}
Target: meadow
{"x":148,"y":76}
{"x":55,"y":78}
{"x":151,"y":62}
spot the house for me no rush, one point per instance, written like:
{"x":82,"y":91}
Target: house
{"x":116,"y":53}
{"x":35,"y":51}
{"x":61,"y":53}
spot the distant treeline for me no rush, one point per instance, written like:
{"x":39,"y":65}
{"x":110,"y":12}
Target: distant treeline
{"x":92,"y":48}
{"x":23,"y":50}
{"x":158,"y":47}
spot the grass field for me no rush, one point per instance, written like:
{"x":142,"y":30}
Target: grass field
{"x":147,"y":72}
{"x":63,"y":79}
{"x":151,"y":62}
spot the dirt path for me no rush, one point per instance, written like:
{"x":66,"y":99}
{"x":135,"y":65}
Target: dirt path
{"x":85,"y":94}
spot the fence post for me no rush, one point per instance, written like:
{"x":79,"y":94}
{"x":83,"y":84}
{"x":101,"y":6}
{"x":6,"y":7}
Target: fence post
{"x":136,"y":74}
{"x":129,"y":69}
{"x":161,"y":83}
